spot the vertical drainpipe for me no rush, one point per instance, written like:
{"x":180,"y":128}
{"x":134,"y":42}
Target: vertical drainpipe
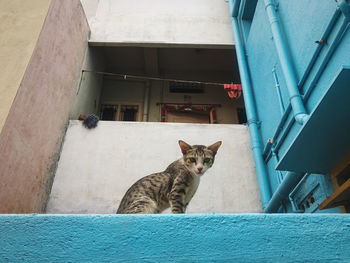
{"x":286,"y":63}
{"x":264,"y":185}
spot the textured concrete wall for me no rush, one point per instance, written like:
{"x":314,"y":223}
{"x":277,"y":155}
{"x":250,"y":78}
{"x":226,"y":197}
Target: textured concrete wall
{"x":175,"y":238}
{"x":20,"y":26}
{"x":90,"y":8}
{"x":161,"y":22}
{"x":89,"y":91}
{"x":31,"y":137}
{"x":97,"y":166}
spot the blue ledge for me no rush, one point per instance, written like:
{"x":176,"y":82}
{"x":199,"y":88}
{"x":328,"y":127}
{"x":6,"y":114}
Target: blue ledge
{"x":324,"y":139}
{"x":175,"y":238}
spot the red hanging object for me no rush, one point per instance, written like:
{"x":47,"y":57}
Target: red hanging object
{"x":233,"y":90}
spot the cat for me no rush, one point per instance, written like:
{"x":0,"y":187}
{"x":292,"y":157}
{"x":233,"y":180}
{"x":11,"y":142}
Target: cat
{"x":172,"y":188}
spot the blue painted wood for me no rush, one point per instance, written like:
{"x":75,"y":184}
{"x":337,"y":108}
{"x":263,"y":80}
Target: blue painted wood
{"x":318,"y":36}
{"x":328,"y":128}
{"x":175,"y":238}
{"x":249,"y":9}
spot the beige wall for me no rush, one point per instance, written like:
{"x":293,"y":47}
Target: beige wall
{"x":32,"y":134}
{"x":20,"y":26}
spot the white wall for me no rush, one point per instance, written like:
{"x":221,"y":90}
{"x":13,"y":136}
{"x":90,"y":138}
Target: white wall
{"x":90,"y":8}
{"x":97,"y":166}
{"x":88,"y":93}
{"x":183,"y":22}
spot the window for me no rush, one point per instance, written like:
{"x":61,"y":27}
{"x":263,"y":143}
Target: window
{"x":120,"y":112}
{"x":128,"y":113}
{"x":108,"y":112}
{"x":185,"y":87}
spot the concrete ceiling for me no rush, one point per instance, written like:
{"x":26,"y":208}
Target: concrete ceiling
{"x":216,"y":65}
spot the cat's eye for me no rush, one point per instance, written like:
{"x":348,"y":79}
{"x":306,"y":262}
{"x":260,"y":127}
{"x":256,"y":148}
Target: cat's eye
{"x":192,"y":160}
{"x":206,"y":160}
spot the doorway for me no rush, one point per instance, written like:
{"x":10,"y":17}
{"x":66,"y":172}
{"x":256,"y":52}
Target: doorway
{"x":188,"y":117}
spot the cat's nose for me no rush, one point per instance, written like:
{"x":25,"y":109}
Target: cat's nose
{"x":200,"y":169}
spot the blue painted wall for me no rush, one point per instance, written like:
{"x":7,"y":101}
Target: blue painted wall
{"x":314,"y":147}
{"x":174,"y":238}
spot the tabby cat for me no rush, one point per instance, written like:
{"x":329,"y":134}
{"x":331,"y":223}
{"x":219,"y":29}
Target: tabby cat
{"x":172,"y":188}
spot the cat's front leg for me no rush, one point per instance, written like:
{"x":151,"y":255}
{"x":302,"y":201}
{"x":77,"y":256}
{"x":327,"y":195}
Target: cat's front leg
{"x":177,"y":199}
{"x":176,"y":204}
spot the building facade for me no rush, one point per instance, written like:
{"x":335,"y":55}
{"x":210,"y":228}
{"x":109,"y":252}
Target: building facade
{"x":169,"y":64}
{"x":294,"y":66}
{"x":140,"y":69}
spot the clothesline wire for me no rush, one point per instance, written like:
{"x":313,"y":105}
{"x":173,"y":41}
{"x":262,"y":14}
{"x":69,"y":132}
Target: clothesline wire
{"x":126,"y":76}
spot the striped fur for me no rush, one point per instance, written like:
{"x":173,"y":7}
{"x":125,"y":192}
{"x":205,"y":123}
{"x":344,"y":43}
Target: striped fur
{"x":174,"y":187}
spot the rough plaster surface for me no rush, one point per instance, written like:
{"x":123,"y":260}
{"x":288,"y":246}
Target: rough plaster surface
{"x":182,"y":22}
{"x":89,"y":90}
{"x":31,"y":137}
{"x":175,"y":238}
{"x":20,"y":26}
{"x":97,"y":166}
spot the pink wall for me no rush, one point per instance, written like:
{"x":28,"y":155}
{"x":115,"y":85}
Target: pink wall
{"x":31,"y":137}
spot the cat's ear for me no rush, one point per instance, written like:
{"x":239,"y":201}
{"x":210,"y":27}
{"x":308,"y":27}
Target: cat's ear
{"x":184,"y":147}
{"x":215,"y":147}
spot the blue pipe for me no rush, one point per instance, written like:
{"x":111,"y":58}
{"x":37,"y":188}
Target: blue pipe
{"x":311,"y":64}
{"x":330,"y":51}
{"x":234,"y":6}
{"x":273,"y":144}
{"x":279,"y":173}
{"x":291,"y":179}
{"x":284,"y":135}
{"x":264,"y":185}
{"x":313,"y":84}
{"x":318,"y":74}
{"x":302,"y":81}
{"x":321,"y":44}
{"x":286,"y":63}
{"x":277,"y":85}
{"x":267,"y":149}
{"x":289,"y":182}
